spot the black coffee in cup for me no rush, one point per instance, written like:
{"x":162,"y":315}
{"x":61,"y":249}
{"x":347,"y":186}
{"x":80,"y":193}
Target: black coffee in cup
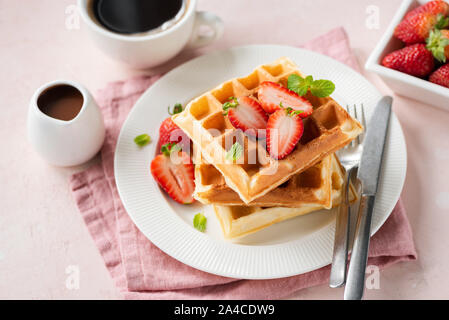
{"x":135,"y":16}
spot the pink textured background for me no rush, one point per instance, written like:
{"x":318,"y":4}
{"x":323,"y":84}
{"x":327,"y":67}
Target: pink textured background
{"x":41,"y":231}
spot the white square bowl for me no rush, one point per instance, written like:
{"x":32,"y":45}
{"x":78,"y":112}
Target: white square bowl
{"x":402,"y":83}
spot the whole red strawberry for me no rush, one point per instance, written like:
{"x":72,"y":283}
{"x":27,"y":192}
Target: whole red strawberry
{"x":434,"y":7}
{"x":418,"y":23}
{"x":416,"y":29}
{"x":415,"y":60}
{"x":441,"y":76}
{"x":169,"y":132}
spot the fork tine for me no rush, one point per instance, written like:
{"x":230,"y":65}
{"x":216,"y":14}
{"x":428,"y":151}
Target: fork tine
{"x":353,"y":141}
{"x":356,"y":117}
{"x":363,"y":123}
{"x":347,"y":110}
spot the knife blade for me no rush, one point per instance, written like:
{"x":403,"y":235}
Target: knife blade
{"x":369,"y":175}
{"x":373,"y":147}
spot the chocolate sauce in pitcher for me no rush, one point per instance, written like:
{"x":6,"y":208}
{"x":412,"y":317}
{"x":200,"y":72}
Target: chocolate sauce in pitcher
{"x":62,"y":102}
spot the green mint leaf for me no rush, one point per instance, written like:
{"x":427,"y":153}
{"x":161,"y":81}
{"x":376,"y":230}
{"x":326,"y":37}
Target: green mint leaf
{"x":302,"y":90}
{"x":199,"y":222}
{"x":142,"y":140}
{"x":322,"y":88}
{"x":176,"y":109}
{"x":308,"y":80}
{"x":319,"y":88}
{"x":168,"y":148}
{"x":298,"y":84}
{"x":235,"y":152}
{"x":294,"y":82}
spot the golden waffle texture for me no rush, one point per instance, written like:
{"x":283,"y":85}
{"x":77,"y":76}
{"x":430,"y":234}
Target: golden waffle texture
{"x":253,"y":175}
{"x":238,"y":221}
{"x":310,"y":186}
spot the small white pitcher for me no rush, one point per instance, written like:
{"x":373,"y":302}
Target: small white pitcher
{"x":66,"y":143}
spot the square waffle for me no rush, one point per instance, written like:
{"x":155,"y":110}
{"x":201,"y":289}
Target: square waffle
{"x":310,"y":186}
{"x":238,"y":221}
{"x":328,"y":129}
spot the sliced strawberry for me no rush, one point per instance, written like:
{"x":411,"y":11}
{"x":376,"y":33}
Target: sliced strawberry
{"x":246,"y":114}
{"x":170,"y":132}
{"x":284,"y":129}
{"x":177,"y":179}
{"x":271,"y":95}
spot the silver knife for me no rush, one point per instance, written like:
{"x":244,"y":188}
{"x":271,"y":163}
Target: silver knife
{"x":368,"y":174}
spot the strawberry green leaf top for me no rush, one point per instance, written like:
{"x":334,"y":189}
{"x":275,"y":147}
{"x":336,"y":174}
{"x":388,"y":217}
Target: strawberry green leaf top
{"x":319,"y":88}
{"x":199,"y":222}
{"x":232,"y":103}
{"x":442,"y":21}
{"x":437,"y":43}
{"x":168,"y":148}
{"x":290,"y":111}
{"x":176,"y":109}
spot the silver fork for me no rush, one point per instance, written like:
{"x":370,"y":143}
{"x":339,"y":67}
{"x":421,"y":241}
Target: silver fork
{"x":350,"y":159}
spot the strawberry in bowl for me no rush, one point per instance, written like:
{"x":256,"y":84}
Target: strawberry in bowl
{"x":414,"y":60}
{"x":418,"y":23}
{"x":441,"y":76}
{"x":403,"y":74}
{"x":425,"y":35}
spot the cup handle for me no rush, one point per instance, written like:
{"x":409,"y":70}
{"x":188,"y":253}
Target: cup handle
{"x":203,"y":18}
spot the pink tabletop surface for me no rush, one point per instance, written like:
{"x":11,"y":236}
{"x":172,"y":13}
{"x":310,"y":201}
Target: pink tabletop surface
{"x":42,"y":235}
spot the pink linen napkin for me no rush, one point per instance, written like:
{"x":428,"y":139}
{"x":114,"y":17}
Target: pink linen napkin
{"x":141,"y":271}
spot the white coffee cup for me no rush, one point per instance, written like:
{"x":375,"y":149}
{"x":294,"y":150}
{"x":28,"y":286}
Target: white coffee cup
{"x":66,"y":143}
{"x":149,"y":50}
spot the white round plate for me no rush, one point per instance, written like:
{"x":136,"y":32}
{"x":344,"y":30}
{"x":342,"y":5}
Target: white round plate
{"x":289,"y":248}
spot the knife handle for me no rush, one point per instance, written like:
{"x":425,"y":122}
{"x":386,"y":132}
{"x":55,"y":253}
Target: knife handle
{"x":355,"y":284}
{"x":340,"y":255}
